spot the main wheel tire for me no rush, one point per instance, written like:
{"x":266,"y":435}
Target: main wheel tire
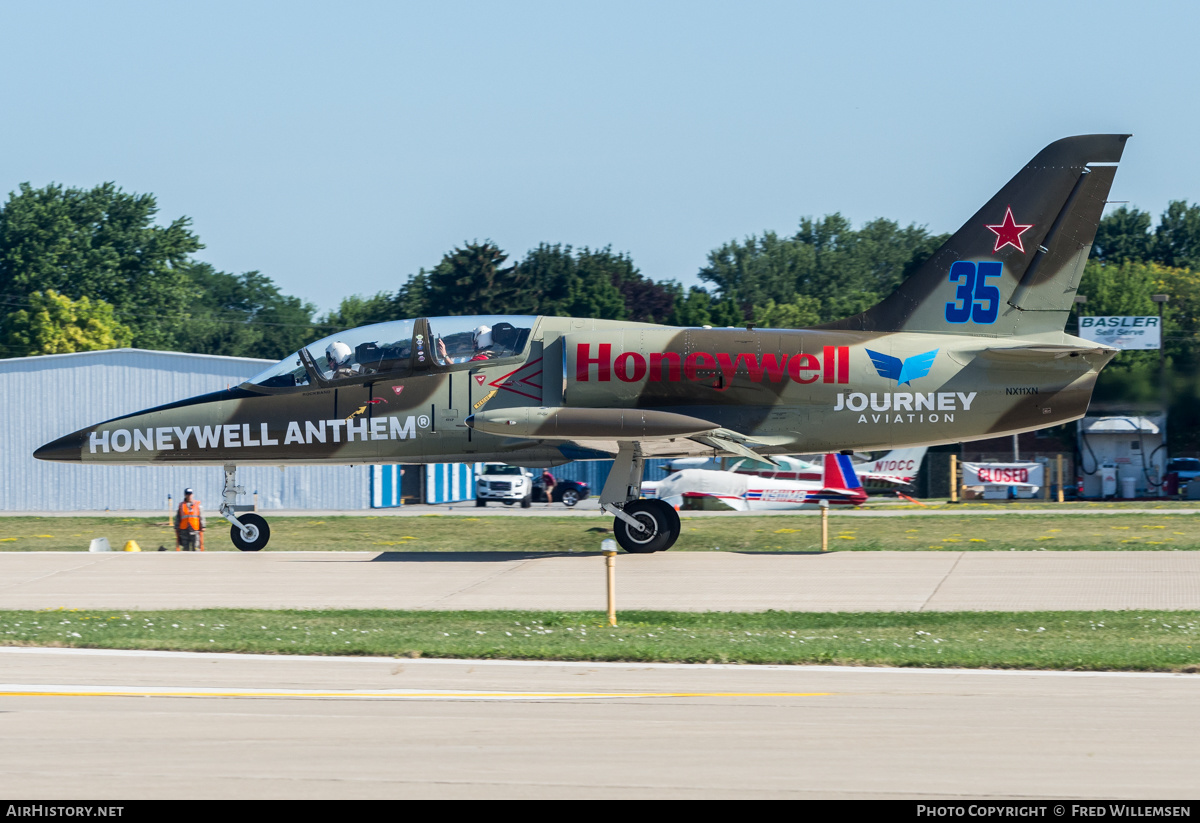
{"x":662,"y":524}
{"x":526,"y":501}
{"x":676,"y":528}
{"x":570,"y":497}
{"x":259,"y":533}
{"x":480,"y":502}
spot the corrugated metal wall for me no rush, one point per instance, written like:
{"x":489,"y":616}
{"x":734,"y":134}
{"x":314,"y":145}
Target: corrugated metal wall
{"x":386,"y":486}
{"x":450,"y":482}
{"x":43,"y":398}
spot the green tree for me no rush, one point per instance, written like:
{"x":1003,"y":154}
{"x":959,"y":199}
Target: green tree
{"x":585,"y":283}
{"x":551,"y":272}
{"x":1125,"y":290}
{"x":844,"y":269}
{"x":727,"y":312}
{"x":55,"y":324}
{"x":692,"y":309}
{"x":1124,"y":235}
{"x":644,"y":299}
{"x":1177,"y":238}
{"x":801,"y":313}
{"x":242,"y":316}
{"x":412,"y":299}
{"x":759,"y":269}
{"x":593,"y":292}
{"x":474,"y":280}
{"x":357,"y":310}
{"x":102,"y":243}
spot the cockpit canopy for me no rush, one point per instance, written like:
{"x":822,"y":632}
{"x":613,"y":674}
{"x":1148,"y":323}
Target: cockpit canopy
{"x":400,"y":348}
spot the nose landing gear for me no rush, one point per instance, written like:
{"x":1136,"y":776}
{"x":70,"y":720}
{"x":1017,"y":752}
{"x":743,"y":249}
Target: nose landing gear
{"x":253,"y":534}
{"x":249,"y":532}
{"x":641,"y":526}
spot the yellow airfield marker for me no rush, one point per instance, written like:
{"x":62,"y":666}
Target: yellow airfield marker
{"x":609,"y":549}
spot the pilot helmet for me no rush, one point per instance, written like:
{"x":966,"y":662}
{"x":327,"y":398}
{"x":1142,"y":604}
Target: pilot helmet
{"x":338,"y":353}
{"x":482,"y":337}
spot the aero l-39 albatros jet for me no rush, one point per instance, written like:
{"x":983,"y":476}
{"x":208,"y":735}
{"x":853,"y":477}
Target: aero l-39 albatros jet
{"x":971,"y":345}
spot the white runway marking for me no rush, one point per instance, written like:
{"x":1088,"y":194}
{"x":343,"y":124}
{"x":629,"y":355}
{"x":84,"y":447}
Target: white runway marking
{"x":450,"y":661}
{"x":40,"y":690}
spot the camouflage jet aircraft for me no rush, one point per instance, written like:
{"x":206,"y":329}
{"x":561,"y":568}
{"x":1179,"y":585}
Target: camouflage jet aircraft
{"x":971,"y":345}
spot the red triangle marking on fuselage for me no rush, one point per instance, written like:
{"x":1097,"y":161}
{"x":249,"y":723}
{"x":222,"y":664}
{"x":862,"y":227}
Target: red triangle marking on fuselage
{"x":500,"y":382}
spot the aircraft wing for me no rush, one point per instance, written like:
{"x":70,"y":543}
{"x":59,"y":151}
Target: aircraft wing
{"x":891,"y":479}
{"x":731,"y":441}
{"x":586,"y":426}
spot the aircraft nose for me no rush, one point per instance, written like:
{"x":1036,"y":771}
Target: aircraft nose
{"x":67,"y":449}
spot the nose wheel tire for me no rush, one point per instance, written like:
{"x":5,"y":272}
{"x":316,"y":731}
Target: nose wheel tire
{"x":256,"y":535}
{"x":661,"y":522}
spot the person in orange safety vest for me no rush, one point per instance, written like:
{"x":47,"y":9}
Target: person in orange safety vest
{"x":189,"y":523}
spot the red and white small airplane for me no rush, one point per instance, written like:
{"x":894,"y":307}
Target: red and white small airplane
{"x":898,"y":467}
{"x":839,"y":486}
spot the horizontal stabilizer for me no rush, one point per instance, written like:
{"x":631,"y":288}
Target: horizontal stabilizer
{"x":1037,"y":353}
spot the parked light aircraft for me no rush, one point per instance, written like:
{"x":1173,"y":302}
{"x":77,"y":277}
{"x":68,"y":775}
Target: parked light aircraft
{"x":970,"y":346}
{"x":898,"y":467}
{"x":839,"y":486}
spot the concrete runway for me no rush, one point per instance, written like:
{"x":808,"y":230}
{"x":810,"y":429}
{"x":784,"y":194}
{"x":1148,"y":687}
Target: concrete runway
{"x":414,"y":728}
{"x":685,"y":581}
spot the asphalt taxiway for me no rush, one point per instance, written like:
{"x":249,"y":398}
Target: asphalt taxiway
{"x":685,"y":581}
{"x":105,"y":724}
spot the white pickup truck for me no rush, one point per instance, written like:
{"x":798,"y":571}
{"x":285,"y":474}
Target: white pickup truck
{"x":504,"y":484}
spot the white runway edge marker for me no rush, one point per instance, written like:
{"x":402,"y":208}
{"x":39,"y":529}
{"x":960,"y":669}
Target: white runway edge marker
{"x":583,"y":664}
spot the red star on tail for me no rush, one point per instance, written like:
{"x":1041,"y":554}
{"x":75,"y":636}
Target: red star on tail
{"x":1008,"y":233}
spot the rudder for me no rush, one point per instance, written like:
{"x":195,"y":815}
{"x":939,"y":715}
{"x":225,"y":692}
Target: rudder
{"x":839,"y":473}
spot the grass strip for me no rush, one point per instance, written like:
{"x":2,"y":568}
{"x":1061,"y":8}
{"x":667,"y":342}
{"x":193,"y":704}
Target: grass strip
{"x":1164,"y":531}
{"x":1086,"y":641}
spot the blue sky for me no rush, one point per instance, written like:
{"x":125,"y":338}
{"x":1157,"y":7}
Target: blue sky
{"x":339,"y":147}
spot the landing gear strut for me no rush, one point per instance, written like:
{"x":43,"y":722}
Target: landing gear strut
{"x":641,"y":526}
{"x":249,"y":532}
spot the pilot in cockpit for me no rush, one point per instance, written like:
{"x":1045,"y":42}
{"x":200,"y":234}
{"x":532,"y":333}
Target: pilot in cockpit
{"x":339,"y":355}
{"x":481,"y":347}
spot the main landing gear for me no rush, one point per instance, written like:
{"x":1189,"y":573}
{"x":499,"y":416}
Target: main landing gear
{"x":249,"y":532}
{"x":641,"y":526}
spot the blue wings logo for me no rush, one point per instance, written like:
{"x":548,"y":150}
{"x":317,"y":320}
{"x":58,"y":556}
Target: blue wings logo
{"x":903,"y":371}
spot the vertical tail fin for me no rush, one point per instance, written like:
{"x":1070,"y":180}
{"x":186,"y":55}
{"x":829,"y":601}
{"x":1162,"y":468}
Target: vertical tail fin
{"x":839,"y":473}
{"x":1014,"y":267}
{"x":898,"y":463}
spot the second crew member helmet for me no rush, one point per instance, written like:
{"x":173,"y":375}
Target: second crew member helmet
{"x":482,"y":337}
{"x":338,"y":353}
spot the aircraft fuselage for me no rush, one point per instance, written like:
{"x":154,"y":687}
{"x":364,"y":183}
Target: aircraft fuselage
{"x":789,"y":392}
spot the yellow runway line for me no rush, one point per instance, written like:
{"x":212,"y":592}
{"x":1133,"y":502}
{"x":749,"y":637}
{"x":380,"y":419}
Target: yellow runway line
{"x":130,"y":691}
